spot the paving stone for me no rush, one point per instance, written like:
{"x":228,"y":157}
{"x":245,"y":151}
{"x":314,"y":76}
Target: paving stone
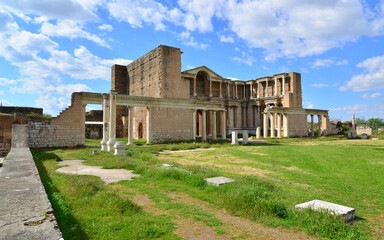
{"x":167,"y":165}
{"x":217,"y":181}
{"x":346,"y":212}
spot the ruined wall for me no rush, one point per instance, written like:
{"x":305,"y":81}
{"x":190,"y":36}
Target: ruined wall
{"x":295,"y":81}
{"x":297,"y":125}
{"x":44,"y":134}
{"x":65,"y":130}
{"x":6,"y":122}
{"x":20,"y":136}
{"x":171,"y":124}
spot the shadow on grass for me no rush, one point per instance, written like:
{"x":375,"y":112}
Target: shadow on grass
{"x":68,"y":225}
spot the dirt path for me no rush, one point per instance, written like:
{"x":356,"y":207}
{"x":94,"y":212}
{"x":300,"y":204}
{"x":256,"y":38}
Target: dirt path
{"x":233,"y":227}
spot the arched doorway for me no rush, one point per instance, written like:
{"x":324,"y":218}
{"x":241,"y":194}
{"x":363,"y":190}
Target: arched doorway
{"x":140,"y":132}
{"x":202,"y":85}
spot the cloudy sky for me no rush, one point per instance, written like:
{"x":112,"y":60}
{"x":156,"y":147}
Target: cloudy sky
{"x":50,"y":48}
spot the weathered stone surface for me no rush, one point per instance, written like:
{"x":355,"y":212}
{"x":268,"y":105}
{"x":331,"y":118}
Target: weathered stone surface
{"x":167,"y":165}
{"x":234,"y":138}
{"x":120,"y":148}
{"x":346,"y":212}
{"x":107,"y":175}
{"x":245,"y":137}
{"x":25,"y":211}
{"x":217,"y":181}
{"x":364,"y":136}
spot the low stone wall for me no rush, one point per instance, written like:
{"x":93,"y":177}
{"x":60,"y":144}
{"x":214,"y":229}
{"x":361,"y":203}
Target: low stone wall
{"x":44,"y":134}
{"x":361,"y":130}
{"x":20,"y":136}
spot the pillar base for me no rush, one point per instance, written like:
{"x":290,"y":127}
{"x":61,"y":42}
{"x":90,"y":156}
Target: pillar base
{"x":234,"y":138}
{"x":110,"y":144}
{"x":119,"y":148}
{"x":258,"y":132}
{"x":103,"y":145}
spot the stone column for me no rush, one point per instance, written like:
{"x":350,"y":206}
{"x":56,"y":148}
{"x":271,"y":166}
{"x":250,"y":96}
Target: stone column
{"x":236,"y":91}
{"x":223,"y":127}
{"x":210,"y":88}
{"x":221,"y":89}
{"x":278,"y":125}
{"x":272,"y":125}
{"x":325,"y":121}
{"x":204,"y":123}
{"x":228,"y":91}
{"x":214,"y":125}
{"x":286,"y":125}
{"x":194,"y":124}
{"x":258,"y":90}
{"x":319,"y":125}
{"x":312,"y":130}
{"x":194,"y":87}
{"x":239,"y":118}
{"x":275,"y":87}
{"x":231,"y":117}
{"x":105,"y":123}
{"x":130,"y":126}
{"x":266,"y":88}
{"x":251,"y":97}
{"x":149,"y":124}
{"x":283,"y":87}
{"x":112,"y":121}
{"x":258,"y":132}
{"x":265,"y":125}
{"x":353,"y":126}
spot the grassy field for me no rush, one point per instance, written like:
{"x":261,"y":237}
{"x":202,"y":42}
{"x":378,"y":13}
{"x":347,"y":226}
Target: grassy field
{"x":175,"y":203}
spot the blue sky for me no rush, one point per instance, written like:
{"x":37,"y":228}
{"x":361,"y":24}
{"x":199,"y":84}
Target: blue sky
{"x":50,"y":48}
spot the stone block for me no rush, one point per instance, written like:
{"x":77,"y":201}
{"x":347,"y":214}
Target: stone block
{"x":217,"y":181}
{"x":119,"y":148}
{"x":258,"y":132}
{"x":245,"y":137}
{"x":234,"y":138}
{"x":339,"y":210}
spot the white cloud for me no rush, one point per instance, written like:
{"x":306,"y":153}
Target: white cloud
{"x":71,"y":30}
{"x":328,"y":63}
{"x":106,"y":27}
{"x":319,"y":85}
{"x":308,"y":105}
{"x":371,"y":79}
{"x":58,"y":9}
{"x":351,"y":108}
{"x":67,"y":90}
{"x":190,"y":67}
{"x":188,"y":40}
{"x":372,"y":96}
{"x":5,"y":102}
{"x":1,"y":92}
{"x":226,"y":39}
{"x":199,"y":13}
{"x":233,"y":79}
{"x":51,"y":104}
{"x":5,"y":82}
{"x":301,"y":27}
{"x":137,"y":12}
{"x":245,"y":59}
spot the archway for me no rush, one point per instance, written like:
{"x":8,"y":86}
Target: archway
{"x":202,"y":85}
{"x":140,"y":132}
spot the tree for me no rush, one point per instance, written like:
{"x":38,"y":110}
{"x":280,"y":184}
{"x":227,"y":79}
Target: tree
{"x":375,"y":123}
{"x":360,"y":121}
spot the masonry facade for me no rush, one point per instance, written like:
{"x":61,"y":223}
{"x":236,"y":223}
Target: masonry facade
{"x":247,"y":104}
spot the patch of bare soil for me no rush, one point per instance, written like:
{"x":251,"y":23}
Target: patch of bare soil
{"x":238,"y":226}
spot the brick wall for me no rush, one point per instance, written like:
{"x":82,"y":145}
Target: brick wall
{"x":171,"y":124}
{"x":6,"y":122}
{"x":44,"y":134}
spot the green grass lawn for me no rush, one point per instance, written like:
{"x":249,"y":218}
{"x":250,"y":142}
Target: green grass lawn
{"x":270,"y":179}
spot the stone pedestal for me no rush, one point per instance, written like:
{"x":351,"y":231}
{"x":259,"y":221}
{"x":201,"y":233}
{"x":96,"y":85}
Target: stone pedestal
{"x":234,"y":138}
{"x":119,"y":148}
{"x":111,"y":142}
{"x":245,"y":137}
{"x":103,"y":145}
{"x":258,"y":132}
